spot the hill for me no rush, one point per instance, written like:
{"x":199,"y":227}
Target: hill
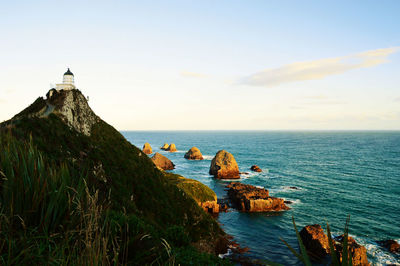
{"x":75,"y":191}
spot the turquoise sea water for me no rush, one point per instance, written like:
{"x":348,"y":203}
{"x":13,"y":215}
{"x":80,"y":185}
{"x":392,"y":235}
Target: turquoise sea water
{"x":337,"y":173}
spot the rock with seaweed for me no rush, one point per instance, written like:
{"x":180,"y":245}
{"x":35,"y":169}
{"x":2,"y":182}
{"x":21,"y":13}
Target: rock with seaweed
{"x":130,"y":209}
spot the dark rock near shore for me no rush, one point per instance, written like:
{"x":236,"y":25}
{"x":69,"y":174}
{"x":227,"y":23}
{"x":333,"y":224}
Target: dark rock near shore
{"x":317,"y":245}
{"x":391,"y":245}
{"x":315,"y":241}
{"x":255,"y":168}
{"x":358,"y":252}
{"x":224,"y":166}
{"x":249,"y":198}
{"x":162,"y":162}
{"x":194,"y":154}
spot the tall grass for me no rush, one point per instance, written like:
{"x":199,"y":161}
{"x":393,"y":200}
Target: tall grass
{"x":50,"y":215}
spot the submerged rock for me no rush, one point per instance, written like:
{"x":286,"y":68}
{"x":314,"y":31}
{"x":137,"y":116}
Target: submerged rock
{"x":392,"y":245}
{"x":165,"y":146}
{"x":147,"y":148}
{"x":255,"y":168}
{"x":171,"y":148}
{"x":224,"y":166}
{"x":249,"y":198}
{"x":162,"y":162}
{"x":194,"y":154}
{"x":315,"y":241}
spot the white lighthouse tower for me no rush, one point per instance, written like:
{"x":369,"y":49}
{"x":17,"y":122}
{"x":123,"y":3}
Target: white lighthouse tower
{"x":68,"y":81}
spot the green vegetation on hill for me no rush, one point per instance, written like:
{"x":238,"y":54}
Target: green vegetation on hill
{"x":67,"y":198}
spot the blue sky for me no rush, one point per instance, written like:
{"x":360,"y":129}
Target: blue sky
{"x":209,"y":64}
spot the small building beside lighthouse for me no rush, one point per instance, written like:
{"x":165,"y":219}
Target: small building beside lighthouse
{"x":68,"y":81}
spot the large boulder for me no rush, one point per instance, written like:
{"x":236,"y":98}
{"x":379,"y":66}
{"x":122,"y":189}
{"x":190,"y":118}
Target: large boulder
{"x":249,"y":198}
{"x":194,"y":154}
{"x":224,"y":166}
{"x":315,"y":241}
{"x":391,"y":245}
{"x":358,"y":252}
{"x":162,"y":162}
{"x":164,"y":147}
{"x":147,"y":148}
{"x":171,"y":148}
{"x":255,"y":168}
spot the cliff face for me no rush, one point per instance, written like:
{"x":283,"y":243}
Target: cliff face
{"x":129,"y":186}
{"x":70,"y":105}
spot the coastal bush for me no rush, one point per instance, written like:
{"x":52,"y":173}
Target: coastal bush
{"x":67,"y":198}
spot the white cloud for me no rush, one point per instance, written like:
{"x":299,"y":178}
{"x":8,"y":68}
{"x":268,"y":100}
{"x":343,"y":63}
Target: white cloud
{"x":192,"y":74}
{"x":318,"y":69}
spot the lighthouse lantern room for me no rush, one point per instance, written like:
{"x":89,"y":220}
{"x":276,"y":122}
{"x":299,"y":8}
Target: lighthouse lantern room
{"x":68,"y":81}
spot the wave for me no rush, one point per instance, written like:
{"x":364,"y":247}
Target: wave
{"x":285,"y":189}
{"x":208,"y":157}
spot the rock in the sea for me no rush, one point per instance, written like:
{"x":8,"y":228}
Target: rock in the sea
{"x":194,"y":154}
{"x":211,"y":207}
{"x":255,"y":168}
{"x":249,"y":198}
{"x":358,"y":252}
{"x":147,"y":148}
{"x":164,"y":147}
{"x":162,"y":162}
{"x":171,"y":148}
{"x":317,"y":245}
{"x":315,"y":241}
{"x":392,"y":245}
{"x":224,"y":166}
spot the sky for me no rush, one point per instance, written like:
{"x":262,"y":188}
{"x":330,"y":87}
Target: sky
{"x":209,"y":65}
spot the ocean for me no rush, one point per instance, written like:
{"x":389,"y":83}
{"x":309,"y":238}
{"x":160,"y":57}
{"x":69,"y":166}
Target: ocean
{"x":337,"y":173}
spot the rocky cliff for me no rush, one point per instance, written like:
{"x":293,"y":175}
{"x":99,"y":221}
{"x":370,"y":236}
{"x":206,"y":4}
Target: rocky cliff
{"x":69,"y":105}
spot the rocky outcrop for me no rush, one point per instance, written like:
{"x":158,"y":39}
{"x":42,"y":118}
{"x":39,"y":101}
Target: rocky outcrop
{"x":147,"y":148}
{"x":162,"y":162}
{"x":391,"y":245}
{"x":224,"y":166}
{"x":315,"y":241}
{"x":194,"y":154}
{"x":249,"y":198}
{"x":255,"y":168}
{"x":358,"y":252}
{"x":211,"y":207}
{"x":171,"y":148}
{"x":317,"y":244}
{"x":165,"y":146}
{"x":70,"y":105}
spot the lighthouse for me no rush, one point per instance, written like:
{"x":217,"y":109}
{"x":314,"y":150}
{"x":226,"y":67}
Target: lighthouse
{"x":68,"y":81}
